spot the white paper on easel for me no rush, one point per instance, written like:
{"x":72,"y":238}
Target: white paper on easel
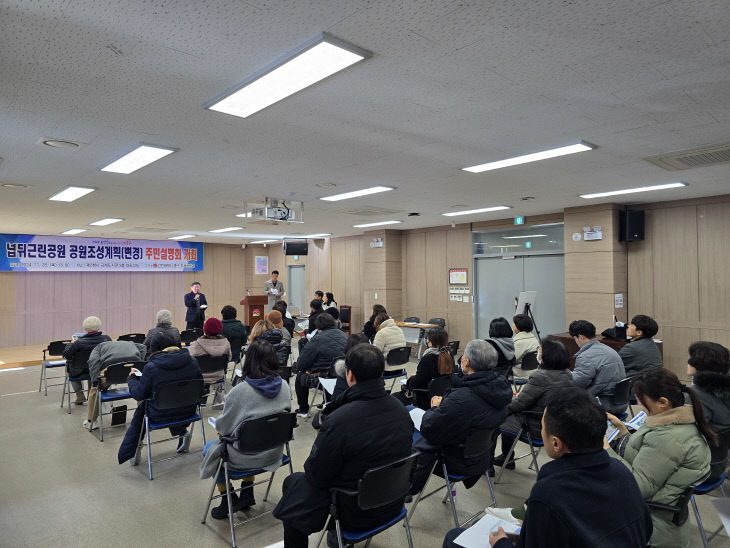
{"x":477,"y":536}
{"x":417,"y":417}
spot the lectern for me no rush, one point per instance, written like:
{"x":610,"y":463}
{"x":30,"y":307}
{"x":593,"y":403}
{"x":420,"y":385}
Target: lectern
{"x":254,"y":308}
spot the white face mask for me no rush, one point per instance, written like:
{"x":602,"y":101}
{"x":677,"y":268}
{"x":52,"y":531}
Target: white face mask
{"x":539,"y":355}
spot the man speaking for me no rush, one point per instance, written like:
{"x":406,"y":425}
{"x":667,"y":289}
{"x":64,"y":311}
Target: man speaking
{"x":274,"y":289}
{"x":196,"y":304}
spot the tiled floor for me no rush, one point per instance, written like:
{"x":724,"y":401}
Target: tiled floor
{"x":61,"y":487}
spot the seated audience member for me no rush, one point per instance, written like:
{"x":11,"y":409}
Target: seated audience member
{"x":708,"y":365}
{"x":552,"y":375}
{"x":335,"y":313}
{"x":388,"y":337}
{"x":597,"y":367}
{"x":281,"y":306}
{"x":436,"y":361}
{"x":103,"y":355}
{"x":283,"y":349}
{"x":266,"y":330}
{"x":339,"y":368}
{"x":232,"y":327}
{"x":369,"y":328}
{"x":477,"y":401}
{"x":319,"y":295}
{"x":212,"y":343}
{"x":164,"y":325}
{"x":315,"y":309}
{"x":642,"y":352}
{"x":93,"y":336}
{"x":364,"y":429}
{"x":317,"y":357}
{"x":500,"y":337}
{"x":523,"y":338}
{"x":582,"y":497}
{"x":669,"y":452}
{"x":261,"y":393}
{"x":167,"y":362}
{"x":328,"y":301}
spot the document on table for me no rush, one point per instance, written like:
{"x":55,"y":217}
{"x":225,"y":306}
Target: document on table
{"x":477,"y":536}
{"x":417,"y":417}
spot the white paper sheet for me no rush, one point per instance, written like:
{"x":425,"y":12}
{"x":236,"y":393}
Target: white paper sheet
{"x":417,"y":417}
{"x":328,"y":385}
{"x":477,"y":536}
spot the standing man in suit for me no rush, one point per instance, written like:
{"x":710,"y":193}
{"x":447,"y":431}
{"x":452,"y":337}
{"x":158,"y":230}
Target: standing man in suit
{"x":196,"y":305}
{"x":274,"y":289}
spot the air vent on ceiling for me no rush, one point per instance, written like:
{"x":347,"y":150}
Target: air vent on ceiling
{"x":371,"y":211}
{"x":690,"y":159}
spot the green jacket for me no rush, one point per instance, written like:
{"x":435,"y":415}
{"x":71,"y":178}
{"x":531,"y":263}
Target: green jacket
{"x":666,"y":455}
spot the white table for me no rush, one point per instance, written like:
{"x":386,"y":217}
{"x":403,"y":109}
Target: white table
{"x":412,"y":333}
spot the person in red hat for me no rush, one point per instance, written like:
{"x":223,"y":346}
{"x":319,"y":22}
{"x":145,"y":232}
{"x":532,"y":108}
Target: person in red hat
{"x":214,"y":344}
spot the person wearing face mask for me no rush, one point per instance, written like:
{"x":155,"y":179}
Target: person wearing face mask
{"x":552,"y":374}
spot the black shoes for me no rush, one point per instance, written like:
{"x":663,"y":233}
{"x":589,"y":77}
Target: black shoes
{"x":499,"y":461}
{"x":221,"y":511}
{"x":247,"y":499}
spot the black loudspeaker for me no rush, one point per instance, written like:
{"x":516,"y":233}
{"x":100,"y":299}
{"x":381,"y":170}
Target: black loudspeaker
{"x":631,"y":226}
{"x":296,"y":248}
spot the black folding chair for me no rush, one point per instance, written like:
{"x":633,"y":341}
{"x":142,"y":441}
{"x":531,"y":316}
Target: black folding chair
{"x":396,"y":356}
{"x":115,"y":373}
{"x":622,"y":395}
{"x":133,"y":337}
{"x":80,"y":365}
{"x":253,"y":436}
{"x":236,"y":347}
{"x":680,"y":510}
{"x":437,"y":387}
{"x":718,"y":455}
{"x":189,"y":335}
{"x":377,"y":488}
{"x":477,"y":444}
{"x":412,"y":319}
{"x":454,"y":347}
{"x":171,"y":395}
{"x":529,"y":363}
{"x":55,"y":348}
{"x":211,"y":364}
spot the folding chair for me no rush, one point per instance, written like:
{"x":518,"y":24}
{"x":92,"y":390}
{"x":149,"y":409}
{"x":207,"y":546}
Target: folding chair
{"x":454,"y":347}
{"x":133,"y":337}
{"x":171,"y":395}
{"x":80,"y":363}
{"x":236,"y":348}
{"x":719,"y":455}
{"x":378,"y":487}
{"x":525,"y":436}
{"x":55,"y":348}
{"x":529,"y":363}
{"x":211,"y":364}
{"x":437,"y":387}
{"x":189,"y":335}
{"x":477,"y":444}
{"x":312,"y":382}
{"x":397,"y":356}
{"x":115,"y":373}
{"x":253,"y":436}
{"x":680,"y":511}
{"x":622,"y":395}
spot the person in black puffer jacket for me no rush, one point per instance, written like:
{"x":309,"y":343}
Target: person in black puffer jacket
{"x":477,"y":401}
{"x":93,"y":337}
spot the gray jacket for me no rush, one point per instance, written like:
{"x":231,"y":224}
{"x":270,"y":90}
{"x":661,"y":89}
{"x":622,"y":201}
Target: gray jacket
{"x":244,"y":402}
{"x":640,"y":354}
{"x":111,"y":352}
{"x":273,"y":298}
{"x":598,"y":368}
{"x":534,"y":397}
{"x":161,"y":328}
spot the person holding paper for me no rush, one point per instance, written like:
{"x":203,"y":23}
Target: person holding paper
{"x":274,"y":289}
{"x":582,"y":497}
{"x":196,"y":305}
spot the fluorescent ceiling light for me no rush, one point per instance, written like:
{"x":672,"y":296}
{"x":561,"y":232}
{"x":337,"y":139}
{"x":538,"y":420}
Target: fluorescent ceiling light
{"x":229,"y":229}
{"x":141,"y":156}
{"x":534,"y":157}
{"x":184,"y":236}
{"x":314,"y":61}
{"x":357,"y":193}
{"x":547,"y":224}
{"x":525,"y":236}
{"x":381,"y":223}
{"x":249,"y":214}
{"x":506,"y":245}
{"x":263,"y":241}
{"x":632,"y":190}
{"x":472,"y":211}
{"x":314,"y":236}
{"x":73,"y":231}
{"x":105,"y":222}
{"x":71,"y":193}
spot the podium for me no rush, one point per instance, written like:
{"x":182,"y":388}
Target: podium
{"x":254,"y":308}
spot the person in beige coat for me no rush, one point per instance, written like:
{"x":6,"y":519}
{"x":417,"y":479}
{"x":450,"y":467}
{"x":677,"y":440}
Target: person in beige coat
{"x":388,"y":337}
{"x":214,"y":344}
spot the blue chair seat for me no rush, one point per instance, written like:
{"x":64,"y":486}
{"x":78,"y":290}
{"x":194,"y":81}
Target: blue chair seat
{"x":157,"y":426}
{"x":357,"y":537}
{"x":114,"y":394}
{"x":238,"y":474}
{"x":708,"y":486}
{"x":54,"y":363}
{"x":394,"y":374}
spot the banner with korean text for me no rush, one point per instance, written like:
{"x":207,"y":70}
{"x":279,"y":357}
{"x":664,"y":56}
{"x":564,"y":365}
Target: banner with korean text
{"x":25,"y":252}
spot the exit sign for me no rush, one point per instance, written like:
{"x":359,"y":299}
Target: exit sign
{"x":519,"y":220}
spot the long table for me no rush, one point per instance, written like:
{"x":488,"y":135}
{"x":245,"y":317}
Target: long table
{"x":413,"y":333}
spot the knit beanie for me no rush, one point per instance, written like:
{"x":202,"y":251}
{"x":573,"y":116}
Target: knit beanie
{"x":212,"y":326}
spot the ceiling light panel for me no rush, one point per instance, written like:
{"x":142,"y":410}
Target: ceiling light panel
{"x":381,"y":223}
{"x":534,"y":157}
{"x":314,"y":61}
{"x":183,"y":237}
{"x":525,"y":236}
{"x":107,"y":221}
{"x":633,"y":190}
{"x":473,"y":211}
{"x":315,"y":236}
{"x":73,"y":231}
{"x":264,"y":241}
{"x":229,"y":229}
{"x":142,"y":155}
{"x":357,"y":193}
{"x":71,"y":193}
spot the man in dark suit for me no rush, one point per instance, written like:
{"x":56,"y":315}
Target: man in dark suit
{"x":196,"y":305}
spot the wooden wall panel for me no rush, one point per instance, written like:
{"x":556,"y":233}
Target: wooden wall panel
{"x":676,"y":342}
{"x":436,"y":273}
{"x":576,"y":218}
{"x":415,"y":279}
{"x":119,"y":286}
{"x":713,"y":251}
